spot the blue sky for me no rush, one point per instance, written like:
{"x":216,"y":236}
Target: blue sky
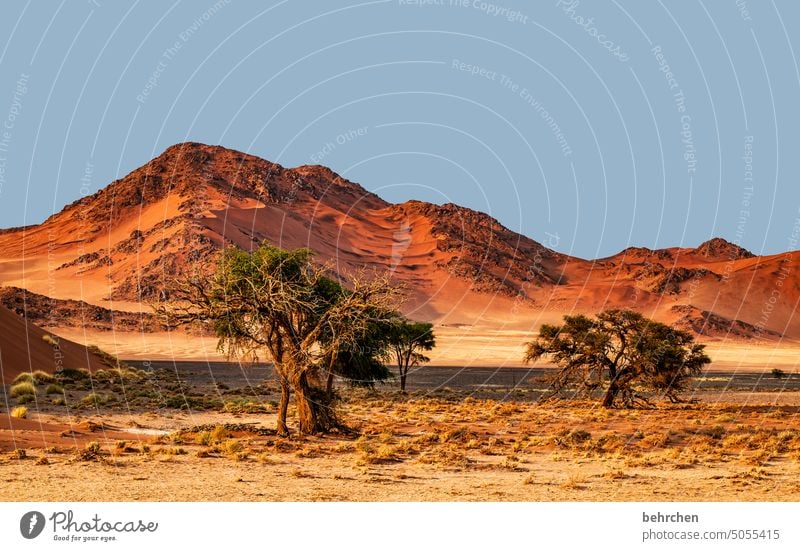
{"x":590,"y":125}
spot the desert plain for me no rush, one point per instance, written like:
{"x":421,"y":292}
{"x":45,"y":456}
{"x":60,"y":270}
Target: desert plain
{"x":116,"y":407}
{"x":204,"y":430}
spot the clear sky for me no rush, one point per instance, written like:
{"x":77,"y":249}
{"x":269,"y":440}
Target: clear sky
{"x":589,"y":126}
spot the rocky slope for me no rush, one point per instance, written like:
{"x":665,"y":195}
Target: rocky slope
{"x":116,"y":249}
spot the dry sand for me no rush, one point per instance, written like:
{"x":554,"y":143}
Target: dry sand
{"x":427,"y":446}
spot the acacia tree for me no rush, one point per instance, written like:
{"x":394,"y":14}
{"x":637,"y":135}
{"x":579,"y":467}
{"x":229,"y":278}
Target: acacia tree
{"x":407,"y":339}
{"x":362,"y":364}
{"x":280,"y":303}
{"x":619,"y":351}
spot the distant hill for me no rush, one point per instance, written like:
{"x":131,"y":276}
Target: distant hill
{"x":117,"y":248}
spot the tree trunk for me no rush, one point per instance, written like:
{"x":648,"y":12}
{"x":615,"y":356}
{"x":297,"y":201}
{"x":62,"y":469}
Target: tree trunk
{"x":314,"y":407}
{"x":306,"y":413}
{"x":403,"y":376}
{"x":611,"y":394}
{"x":283,"y":429}
{"x":329,"y":383}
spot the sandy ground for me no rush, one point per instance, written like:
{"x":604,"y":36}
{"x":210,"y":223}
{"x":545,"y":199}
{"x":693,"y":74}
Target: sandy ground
{"x":426,"y":446}
{"x":288,"y":478}
{"x":454,"y":346}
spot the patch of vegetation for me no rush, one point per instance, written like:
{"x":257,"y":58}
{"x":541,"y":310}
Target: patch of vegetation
{"x":778,"y":373}
{"x":108,"y":359}
{"x":90,"y":453}
{"x":19,"y":412}
{"x":24,"y":377}
{"x":49,"y":339}
{"x":42,"y":377}
{"x":71,"y":374}
{"x":621,"y":353}
{"x":243,"y":405}
{"x":93,"y":399}
{"x":54,"y":388}
{"x":22,"y":388}
{"x":186,"y":402}
{"x":310,"y":321}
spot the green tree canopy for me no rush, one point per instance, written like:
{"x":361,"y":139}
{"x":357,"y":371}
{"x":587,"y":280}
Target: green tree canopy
{"x":280,"y":303}
{"x":621,"y":352}
{"x":407,"y":339}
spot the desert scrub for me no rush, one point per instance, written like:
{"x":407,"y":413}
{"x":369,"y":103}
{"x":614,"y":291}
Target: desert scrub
{"x":231,"y":448}
{"x":69,"y":373}
{"x":22,"y":388}
{"x":656,"y":440}
{"x":218,"y":434}
{"x":51,"y":340}
{"x":42,"y":377}
{"x":24,"y":377}
{"x":19,"y":412}
{"x":574,"y":482}
{"x":93,"y":399}
{"x":243,"y":405}
{"x":54,"y":388}
{"x":615,"y":474}
{"x":385,"y":453}
{"x":109,"y":359}
{"x":203,"y":438}
{"x":462,"y":434}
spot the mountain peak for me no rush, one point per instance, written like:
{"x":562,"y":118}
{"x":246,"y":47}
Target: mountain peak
{"x":718,"y":247}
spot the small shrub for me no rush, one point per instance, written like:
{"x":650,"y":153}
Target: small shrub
{"x":127,"y":374}
{"x":218,"y":434}
{"x":574,"y":482}
{"x":94,"y":399}
{"x":54,"y":388}
{"x":58,"y":401}
{"x":49,"y":339}
{"x":716,"y":432}
{"x":25,"y":398}
{"x":203,"y":438}
{"x":530,"y":479}
{"x":579,"y":436}
{"x":615,"y":474}
{"x":72,"y":374}
{"x":90,"y":452}
{"x":243,"y":405}
{"x":43,"y":377}
{"x":232,"y":447}
{"x":24,"y":377}
{"x":778,"y":373}
{"x":20,"y":412}
{"x":23,"y":388}
{"x":109,"y":359}
{"x":173,"y":450}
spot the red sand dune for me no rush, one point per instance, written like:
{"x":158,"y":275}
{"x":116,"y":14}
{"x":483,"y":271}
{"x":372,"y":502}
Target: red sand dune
{"x":463,"y":269}
{"x":23,"y":348}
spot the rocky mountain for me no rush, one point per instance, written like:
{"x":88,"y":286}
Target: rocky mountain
{"x":116,"y":249}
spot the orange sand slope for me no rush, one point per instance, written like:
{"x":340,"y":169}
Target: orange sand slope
{"x":463,"y":269}
{"x":23,"y":348}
